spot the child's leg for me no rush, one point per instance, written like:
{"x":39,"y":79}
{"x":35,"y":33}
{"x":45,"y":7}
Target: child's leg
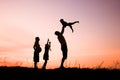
{"x":76,"y":22}
{"x":71,"y":23}
{"x":71,"y":28}
{"x":45,"y":63}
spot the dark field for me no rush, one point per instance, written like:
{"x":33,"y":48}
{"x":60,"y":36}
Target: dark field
{"x":21,"y":73}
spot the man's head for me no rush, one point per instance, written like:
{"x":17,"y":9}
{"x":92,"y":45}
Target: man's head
{"x":57,"y":32}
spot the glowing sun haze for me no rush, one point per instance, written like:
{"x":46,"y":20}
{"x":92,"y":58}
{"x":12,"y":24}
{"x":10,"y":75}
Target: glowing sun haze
{"x":96,"y":38}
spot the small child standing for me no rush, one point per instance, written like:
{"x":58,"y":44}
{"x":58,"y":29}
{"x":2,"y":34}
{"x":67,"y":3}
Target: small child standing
{"x":46,"y":53}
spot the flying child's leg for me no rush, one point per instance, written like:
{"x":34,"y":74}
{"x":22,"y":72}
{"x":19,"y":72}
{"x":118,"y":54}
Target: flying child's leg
{"x":76,"y":22}
{"x":71,"y":28}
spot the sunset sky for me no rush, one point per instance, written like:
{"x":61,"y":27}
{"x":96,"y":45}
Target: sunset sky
{"x":96,"y":39}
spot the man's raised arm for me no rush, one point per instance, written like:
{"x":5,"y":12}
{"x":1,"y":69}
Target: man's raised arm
{"x":62,"y":30}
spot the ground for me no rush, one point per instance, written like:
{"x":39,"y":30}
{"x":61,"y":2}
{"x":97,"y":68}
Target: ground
{"x":22,"y":73}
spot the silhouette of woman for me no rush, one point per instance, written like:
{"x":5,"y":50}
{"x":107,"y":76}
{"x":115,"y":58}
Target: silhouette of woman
{"x":46,"y":53}
{"x":64,"y":23}
{"x":63,"y":43}
{"x":37,"y":50}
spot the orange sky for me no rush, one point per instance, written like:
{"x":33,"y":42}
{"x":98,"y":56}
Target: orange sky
{"x":96,"y":38}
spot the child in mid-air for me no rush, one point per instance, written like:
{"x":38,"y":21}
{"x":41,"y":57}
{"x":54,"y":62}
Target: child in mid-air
{"x":64,"y":23}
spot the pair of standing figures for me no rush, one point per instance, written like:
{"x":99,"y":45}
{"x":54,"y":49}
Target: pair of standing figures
{"x":37,"y":50}
{"x":61,"y":39}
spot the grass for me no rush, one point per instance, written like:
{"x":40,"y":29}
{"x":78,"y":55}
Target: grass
{"x":23,"y":73}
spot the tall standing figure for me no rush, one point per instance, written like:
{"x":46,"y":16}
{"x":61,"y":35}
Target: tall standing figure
{"x":37,"y":50}
{"x":63,"y":45}
{"x":46,"y":53}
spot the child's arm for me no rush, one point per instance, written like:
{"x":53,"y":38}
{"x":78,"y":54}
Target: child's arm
{"x":47,"y":40}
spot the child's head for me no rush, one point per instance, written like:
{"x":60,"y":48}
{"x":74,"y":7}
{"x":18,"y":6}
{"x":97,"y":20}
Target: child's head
{"x":61,"y":20}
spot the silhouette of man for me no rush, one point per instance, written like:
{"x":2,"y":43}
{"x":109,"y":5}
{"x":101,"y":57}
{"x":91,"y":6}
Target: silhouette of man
{"x":46,"y":53}
{"x":64,"y":23}
{"x":37,"y":50}
{"x":63,"y":45}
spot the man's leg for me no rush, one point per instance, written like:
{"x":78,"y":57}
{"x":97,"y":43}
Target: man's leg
{"x":62,"y":62}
